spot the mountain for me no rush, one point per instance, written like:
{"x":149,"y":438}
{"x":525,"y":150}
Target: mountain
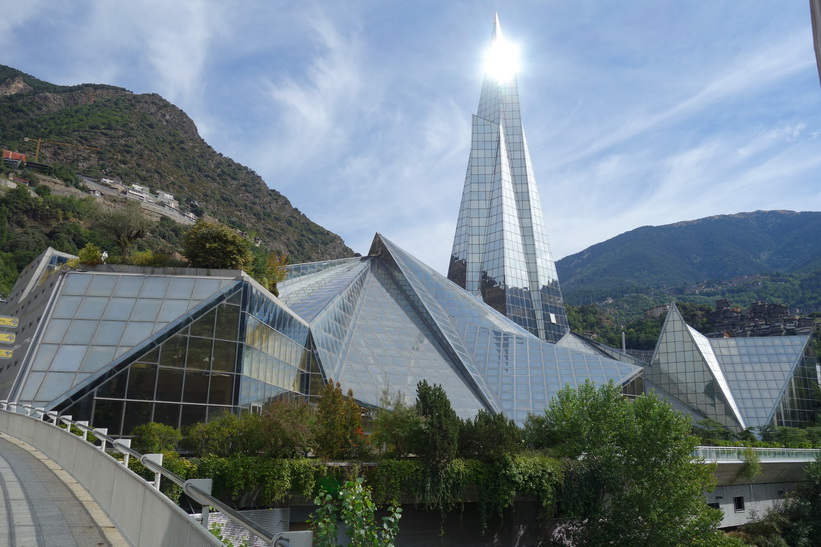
{"x":653,"y":258}
{"x":144,"y":139}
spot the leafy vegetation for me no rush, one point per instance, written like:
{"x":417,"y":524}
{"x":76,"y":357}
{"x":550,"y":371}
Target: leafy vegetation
{"x":637,"y":468}
{"x":595,"y":463}
{"x":211,"y":245}
{"x":357,"y":510}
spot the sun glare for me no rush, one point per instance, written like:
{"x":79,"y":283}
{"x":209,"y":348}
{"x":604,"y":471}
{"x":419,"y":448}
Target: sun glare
{"x":502,"y":60}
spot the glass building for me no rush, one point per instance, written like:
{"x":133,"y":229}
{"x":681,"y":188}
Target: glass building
{"x":500,"y":250}
{"x":738,"y":382}
{"x":123,"y":345}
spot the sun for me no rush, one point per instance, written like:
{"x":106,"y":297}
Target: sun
{"x":502,"y":59}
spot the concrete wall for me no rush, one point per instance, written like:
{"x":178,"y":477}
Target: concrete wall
{"x":757,"y":498}
{"x":141,"y":514}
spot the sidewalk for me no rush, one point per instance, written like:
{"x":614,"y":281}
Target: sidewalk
{"x":41,"y":505}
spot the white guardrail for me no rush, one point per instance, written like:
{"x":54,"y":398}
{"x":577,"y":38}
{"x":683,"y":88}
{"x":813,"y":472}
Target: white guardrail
{"x":199,"y":490}
{"x":737,"y":454}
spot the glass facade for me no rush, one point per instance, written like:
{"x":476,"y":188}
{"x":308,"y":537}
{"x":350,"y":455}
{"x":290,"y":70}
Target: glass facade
{"x":122,"y":348}
{"x":501,"y":251}
{"x":739,"y":382}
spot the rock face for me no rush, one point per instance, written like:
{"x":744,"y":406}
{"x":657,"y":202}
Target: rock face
{"x":13,"y":86}
{"x":145,"y":140}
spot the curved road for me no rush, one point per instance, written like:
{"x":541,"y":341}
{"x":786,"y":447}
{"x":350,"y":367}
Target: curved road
{"x":41,"y":505}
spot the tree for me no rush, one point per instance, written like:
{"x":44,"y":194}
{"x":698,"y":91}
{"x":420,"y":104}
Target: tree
{"x":210,"y":245}
{"x":125,"y":224}
{"x":397,"y":426}
{"x":275,"y":272}
{"x":634,"y":481}
{"x":338,"y":430}
{"x":440,"y":427}
{"x":489,"y":437}
{"x":286,"y":429}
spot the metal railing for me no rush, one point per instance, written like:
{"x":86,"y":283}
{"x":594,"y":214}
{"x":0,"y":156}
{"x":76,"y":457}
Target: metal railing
{"x":199,"y":490}
{"x":737,"y":454}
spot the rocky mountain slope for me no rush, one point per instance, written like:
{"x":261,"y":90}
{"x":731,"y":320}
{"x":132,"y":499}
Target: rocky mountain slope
{"x":144,"y":139}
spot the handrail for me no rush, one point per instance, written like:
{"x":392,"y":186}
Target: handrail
{"x":197,"y":489}
{"x":737,"y":453}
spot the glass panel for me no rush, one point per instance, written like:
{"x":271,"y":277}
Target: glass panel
{"x":225,"y":356}
{"x":55,"y":331}
{"x":66,"y":307}
{"x":68,"y":358}
{"x":109,"y":333}
{"x":169,"y":384}
{"x":136,"y":333}
{"x":222,"y":389}
{"x":76,"y":283}
{"x":91,"y":307}
{"x":146,"y":310}
{"x":173,"y":351}
{"x":45,"y":355}
{"x":204,"y":326}
{"x":108,"y":414}
{"x":136,"y":414}
{"x":192,"y":414}
{"x":113,"y":388}
{"x":227,"y":322}
{"x":199,"y":353}
{"x":142,"y":379}
{"x":102,"y":285}
{"x":205,"y":288}
{"x":97,"y":357}
{"x":129,"y":285}
{"x":181,"y":287}
{"x":172,"y":309}
{"x":54,"y":385}
{"x":154,"y":287}
{"x":167,"y":414}
{"x":119,"y":308}
{"x":196,"y":387}
{"x":80,"y":332}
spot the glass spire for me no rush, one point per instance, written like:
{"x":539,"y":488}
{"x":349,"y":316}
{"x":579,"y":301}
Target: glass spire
{"x":501,"y":251}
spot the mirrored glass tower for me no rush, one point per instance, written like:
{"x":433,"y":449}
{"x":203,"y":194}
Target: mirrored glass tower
{"x":501,"y":251}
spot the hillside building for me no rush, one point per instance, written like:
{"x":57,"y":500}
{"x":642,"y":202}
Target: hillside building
{"x":500,"y":251}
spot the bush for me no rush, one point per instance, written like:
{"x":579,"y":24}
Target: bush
{"x":90,"y":255}
{"x":209,"y":245}
{"x":154,"y":438}
{"x":397,"y":426}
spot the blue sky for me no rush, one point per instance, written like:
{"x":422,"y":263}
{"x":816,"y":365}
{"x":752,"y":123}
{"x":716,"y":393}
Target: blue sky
{"x":637,"y":113}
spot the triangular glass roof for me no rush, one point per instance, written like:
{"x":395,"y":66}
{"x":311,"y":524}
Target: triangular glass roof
{"x":685,"y":366}
{"x":758,"y":370}
{"x":99,"y":317}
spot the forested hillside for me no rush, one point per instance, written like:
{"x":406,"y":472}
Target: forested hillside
{"x":773,"y":256}
{"x":144,"y":139}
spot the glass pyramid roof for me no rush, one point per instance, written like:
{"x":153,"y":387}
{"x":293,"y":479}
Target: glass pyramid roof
{"x":396,"y":321}
{"x":736,"y":381}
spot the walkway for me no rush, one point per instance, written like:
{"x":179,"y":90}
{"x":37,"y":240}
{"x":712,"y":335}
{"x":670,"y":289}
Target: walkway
{"x":41,"y":505}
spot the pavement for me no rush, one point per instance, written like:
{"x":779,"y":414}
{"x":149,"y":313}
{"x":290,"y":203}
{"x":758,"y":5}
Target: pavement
{"x":41,"y":505}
